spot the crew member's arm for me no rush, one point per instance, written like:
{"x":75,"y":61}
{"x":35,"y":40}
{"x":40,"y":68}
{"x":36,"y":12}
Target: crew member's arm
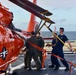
{"x":12,"y":27}
{"x":67,"y":40}
{"x":54,"y":42}
{"x":70,"y":45}
{"x":51,"y":45}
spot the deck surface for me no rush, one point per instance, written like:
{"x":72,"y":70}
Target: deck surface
{"x":47,"y":71}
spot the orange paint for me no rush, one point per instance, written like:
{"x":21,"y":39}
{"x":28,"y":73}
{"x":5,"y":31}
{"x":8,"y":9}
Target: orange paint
{"x":10,"y":43}
{"x":5,"y":16}
{"x":32,"y":23}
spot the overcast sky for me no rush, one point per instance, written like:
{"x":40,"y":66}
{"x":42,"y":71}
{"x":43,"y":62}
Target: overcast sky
{"x":64,"y":13}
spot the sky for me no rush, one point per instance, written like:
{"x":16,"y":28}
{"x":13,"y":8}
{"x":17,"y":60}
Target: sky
{"x":64,"y":14}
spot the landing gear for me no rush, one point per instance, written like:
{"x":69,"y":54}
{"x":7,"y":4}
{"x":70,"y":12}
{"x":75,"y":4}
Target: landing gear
{"x":11,"y":71}
{"x":14,"y":73}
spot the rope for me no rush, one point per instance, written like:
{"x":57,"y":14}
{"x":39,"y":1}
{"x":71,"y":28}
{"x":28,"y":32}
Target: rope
{"x":40,"y":49}
{"x":44,"y":57}
{"x":74,"y":50}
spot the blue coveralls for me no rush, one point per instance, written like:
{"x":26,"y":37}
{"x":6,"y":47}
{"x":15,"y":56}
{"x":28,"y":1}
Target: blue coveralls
{"x":54,"y":51}
{"x":58,"y":50}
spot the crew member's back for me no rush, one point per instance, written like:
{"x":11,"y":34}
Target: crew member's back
{"x":32,"y":51}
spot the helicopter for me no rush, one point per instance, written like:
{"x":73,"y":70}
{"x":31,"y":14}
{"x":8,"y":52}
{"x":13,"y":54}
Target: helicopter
{"x":10,"y":42}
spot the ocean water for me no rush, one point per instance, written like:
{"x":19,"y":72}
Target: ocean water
{"x":70,"y":34}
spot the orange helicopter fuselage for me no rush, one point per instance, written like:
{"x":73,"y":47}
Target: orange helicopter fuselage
{"x":10,"y":43}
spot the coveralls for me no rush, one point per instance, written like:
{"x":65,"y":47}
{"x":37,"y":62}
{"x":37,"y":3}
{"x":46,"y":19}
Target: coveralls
{"x":59,"y":51}
{"x":32,"y":52}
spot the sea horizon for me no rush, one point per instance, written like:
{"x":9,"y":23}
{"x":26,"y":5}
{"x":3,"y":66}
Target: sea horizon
{"x":70,"y":34}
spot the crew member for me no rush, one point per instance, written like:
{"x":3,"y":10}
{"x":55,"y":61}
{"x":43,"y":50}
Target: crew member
{"x":54,"y":50}
{"x":40,"y":44}
{"x":12,"y":27}
{"x":59,"y":49}
{"x":32,"y":51}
